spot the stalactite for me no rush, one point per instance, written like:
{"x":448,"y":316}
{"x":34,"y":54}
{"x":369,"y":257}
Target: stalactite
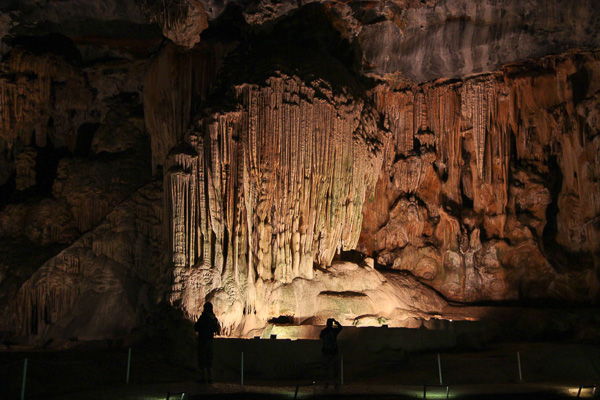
{"x":496,"y":138}
{"x":281,"y":181}
{"x":176,"y":83}
{"x":127,"y":246}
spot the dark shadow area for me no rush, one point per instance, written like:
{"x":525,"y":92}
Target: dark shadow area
{"x":51,"y":43}
{"x":580,"y":82}
{"x":353,"y":256}
{"x":46,"y":165}
{"x":559,"y":257}
{"x":85,"y":136}
{"x":303,"y":44}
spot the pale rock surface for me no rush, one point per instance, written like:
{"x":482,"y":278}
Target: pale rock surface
{"x":353,"y":294}
{"x":452,"y":38}
{"x":265,"y":190}
{"x":176,"y":84}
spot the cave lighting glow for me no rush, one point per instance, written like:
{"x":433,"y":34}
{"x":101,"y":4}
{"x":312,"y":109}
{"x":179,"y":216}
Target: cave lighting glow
{"x":586,"y":392}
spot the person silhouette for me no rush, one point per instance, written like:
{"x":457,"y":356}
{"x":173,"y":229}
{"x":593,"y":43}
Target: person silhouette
{"x":329,"y":349}
{"x":206,"y":327}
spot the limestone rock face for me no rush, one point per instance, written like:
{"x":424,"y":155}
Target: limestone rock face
{"x":31,"y":96}
{"x":355,"y":295}
{"x":92,"y":189}
{"x":481,"y":193}
{"x":182,"y":21}
{"x":46,"y":222}
{"x":100,"y":285}
{"x":176,"y":84}
{"x":367,"y":160}
{"x":46,"y":102}
{"x":451,"y":38}
{"x":419,"y":40}
{"x":264,"y":191}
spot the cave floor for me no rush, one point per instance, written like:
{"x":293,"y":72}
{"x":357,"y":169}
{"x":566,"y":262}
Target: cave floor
{"x":550,"y":371}
{"x":193,"y":390}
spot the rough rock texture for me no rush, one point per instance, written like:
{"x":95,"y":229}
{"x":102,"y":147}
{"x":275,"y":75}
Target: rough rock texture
{"x":74,"y":147}
{"x":451,"y":38}
{"x":176,"y":84}
{"x":263,"y":191}
{"x":45,"y":100}
{"x":48,"y":221}
{"x":420,"y":40}
{"x":33,"y":89}
{"x":100,"y":28}
{"x":490,"y":186}
{"x":291,"y":137}
{"x":100,"y":285}
{"x":182,"y":21}
{"x":353,"y":294}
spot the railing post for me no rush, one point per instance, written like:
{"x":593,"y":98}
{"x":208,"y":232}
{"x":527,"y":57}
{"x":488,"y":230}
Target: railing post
{"x":439,"y":360}
{"x":242,"y":370}
{"x":24,"y":381}
{"x":519,"y":366}
{"x":341,"y":369}
{"x":127,"y":373}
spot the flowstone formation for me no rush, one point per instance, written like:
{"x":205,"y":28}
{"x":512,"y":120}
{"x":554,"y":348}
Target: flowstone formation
{"x":380,"y":162}
{"x":264,"y":191}
{"x":490,"y":186}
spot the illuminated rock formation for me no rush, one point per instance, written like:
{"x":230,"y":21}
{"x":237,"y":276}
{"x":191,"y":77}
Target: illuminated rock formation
{"x":266,"y":190}
{"x":448,"y":148}
{"x":483,"y":187}
{"x":176,"y":83}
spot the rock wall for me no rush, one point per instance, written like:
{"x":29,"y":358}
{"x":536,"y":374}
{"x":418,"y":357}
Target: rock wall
{"x":419,"y":40}
{"x":490,"y":187}
{"x":318,"y":158}
{"x":100,"y":286}
{"x":266,"y":190}
{"x":32,"y":91}
{"x":176,"y":85}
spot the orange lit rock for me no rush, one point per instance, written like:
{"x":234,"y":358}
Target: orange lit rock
{"x":499,"y":167}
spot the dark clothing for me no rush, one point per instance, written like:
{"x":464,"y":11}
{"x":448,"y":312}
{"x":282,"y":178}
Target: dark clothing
{"x":205,"y":353}
{"x":330,"y":352}
{"x":329,"y":338}
{"x":206,"y":327}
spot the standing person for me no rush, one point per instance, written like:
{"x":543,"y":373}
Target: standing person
{"x":330,"y":349}
{"x":206,"y":327}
